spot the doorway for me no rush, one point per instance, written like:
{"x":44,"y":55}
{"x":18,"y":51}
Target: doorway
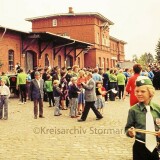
{"x":29,"y":61}
{"x":69,"y":61}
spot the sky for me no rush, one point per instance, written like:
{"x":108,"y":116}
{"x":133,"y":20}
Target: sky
{"x":136,"y":22}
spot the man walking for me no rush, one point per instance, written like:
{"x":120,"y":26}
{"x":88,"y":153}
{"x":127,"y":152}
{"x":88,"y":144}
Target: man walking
{"x":90,"y":98}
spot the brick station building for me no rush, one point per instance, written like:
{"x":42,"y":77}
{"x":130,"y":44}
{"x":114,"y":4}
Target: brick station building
{"x":64,"y":40}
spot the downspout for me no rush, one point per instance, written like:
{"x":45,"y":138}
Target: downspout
{"x":3,"y":33}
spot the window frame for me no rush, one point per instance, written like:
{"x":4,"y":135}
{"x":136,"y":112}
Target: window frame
{"x":54,"y":22}
{"x":10,"y":60}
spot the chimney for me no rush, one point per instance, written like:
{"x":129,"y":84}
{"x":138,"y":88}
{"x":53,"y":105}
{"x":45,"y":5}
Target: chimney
{"x":71,"y":10}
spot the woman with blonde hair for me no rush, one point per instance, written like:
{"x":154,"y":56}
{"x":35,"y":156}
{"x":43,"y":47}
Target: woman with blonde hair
{"x":144,"y":121}
{"x":81,"y":79}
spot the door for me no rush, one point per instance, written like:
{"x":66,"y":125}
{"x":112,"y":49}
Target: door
{"x":69,"y":61}
{"x":29,"y":61}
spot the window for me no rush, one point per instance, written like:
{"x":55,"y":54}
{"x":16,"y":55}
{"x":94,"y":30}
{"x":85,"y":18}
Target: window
{"x":111,"y":63}
{"x":107,"y":63}
{"x":99,"y":63}
{"x":122,"y":49}
{"x":11,"y":60}
{"x":107,"y":42}
{"x":54,"y":22}
{"x":59,"y":61}
{"x":103,"y":63}
{"x":46,"y":61}
{"x":103,"y":40}
{"x":97,"y":39}
{"x":112,"y":47}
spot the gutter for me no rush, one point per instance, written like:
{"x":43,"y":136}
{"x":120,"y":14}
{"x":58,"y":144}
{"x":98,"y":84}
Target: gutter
{"x":65,"y":44}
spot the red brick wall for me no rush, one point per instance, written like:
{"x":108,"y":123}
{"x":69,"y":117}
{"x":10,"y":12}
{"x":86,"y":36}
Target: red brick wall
{"x":84,"y":28}
{"x":90,"y":59}
{"x":72,"y":26}
{"x":10,"y":41}
{"x":53,"y":62}
{"x":117,"y":48}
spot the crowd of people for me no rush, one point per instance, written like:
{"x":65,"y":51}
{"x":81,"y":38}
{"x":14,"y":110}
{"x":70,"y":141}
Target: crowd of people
{"x":81,"y":89}
{"x":64,"y":87}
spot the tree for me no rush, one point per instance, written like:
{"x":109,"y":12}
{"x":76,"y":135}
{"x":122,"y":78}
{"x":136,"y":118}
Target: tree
{"x":145,"y":59}
{"x":150,"y":58}
{"x":158,"y":51}
{"x":135,"y":58}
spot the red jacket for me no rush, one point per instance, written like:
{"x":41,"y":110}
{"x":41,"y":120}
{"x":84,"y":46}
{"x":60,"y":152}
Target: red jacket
{"x":130,"y":89}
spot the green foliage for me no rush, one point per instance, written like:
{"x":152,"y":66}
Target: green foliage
{"x":158,"y":51}
{"x":145,"y":59}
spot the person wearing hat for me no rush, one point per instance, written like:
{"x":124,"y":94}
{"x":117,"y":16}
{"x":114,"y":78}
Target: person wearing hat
{"x":144,"y":121}
{"x":37,"y":93}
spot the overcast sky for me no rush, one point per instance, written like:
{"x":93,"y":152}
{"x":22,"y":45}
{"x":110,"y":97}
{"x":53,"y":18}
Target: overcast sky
{"x":135,"y":21}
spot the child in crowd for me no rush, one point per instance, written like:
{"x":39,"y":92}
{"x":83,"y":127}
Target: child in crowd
{"x":143,"y":117}
{"x":73,"y":95}
{"x":64,"y":89}
{"x":48,"y":87}
{"x":100,"y":93}
{"x":56,"y":93}
{"x":4,"y":95}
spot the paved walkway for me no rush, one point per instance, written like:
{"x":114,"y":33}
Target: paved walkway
{"x":61,"y":138}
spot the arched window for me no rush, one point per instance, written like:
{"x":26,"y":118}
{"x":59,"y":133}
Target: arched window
{"x":59,"y":61}
{"x":46,"y":63}
{"x":10,"y":60}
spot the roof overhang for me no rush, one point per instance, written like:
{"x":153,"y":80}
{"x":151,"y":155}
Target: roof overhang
{"x":117,"y":40}
{"x":11,"y":29}
{"x":58,"y":40}
{"x":95,"y":14}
